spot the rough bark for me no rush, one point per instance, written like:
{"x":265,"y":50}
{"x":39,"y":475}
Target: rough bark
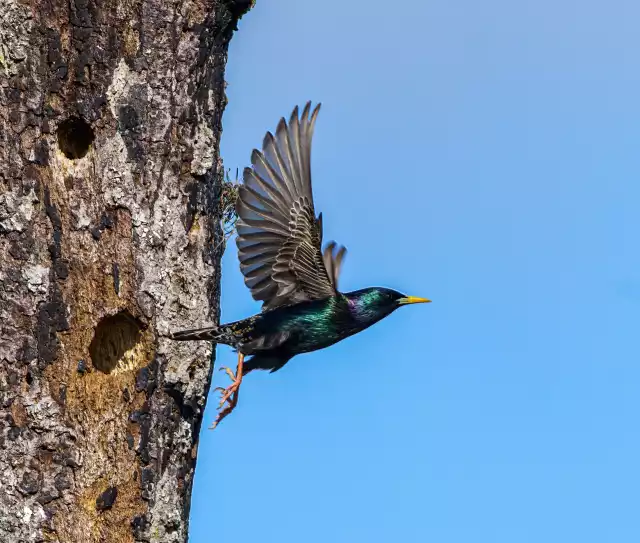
{"x":110,"y":118}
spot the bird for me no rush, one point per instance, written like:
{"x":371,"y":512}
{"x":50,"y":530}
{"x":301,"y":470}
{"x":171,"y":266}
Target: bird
{"x":280,"y":249}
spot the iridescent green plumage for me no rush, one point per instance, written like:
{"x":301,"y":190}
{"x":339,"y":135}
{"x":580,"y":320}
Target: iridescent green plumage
{"x":284,"y":265}
{"x":275,"y":336}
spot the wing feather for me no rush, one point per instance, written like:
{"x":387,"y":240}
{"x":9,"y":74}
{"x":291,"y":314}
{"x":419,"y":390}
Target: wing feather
{"x":279,"y":236}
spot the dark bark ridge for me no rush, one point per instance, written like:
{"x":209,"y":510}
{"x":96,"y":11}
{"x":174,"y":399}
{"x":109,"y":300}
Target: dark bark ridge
{"x":110,"y":119}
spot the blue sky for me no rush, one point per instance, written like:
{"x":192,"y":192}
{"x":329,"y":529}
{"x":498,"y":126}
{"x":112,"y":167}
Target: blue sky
{"x":484,"y":155}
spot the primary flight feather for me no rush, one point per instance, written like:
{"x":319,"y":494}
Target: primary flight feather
{"x":285,"y":267}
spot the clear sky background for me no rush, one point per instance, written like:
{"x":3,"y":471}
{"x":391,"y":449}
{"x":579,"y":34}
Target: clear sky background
{"x":484,"y":155}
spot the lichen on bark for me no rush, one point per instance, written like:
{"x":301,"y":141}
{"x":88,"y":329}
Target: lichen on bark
{"x":110,"y":120}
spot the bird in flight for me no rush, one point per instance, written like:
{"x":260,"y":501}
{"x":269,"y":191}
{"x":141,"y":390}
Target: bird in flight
{"x":279,"y":239}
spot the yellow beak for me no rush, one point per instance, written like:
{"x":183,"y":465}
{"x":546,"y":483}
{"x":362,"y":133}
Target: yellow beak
{"x":413,"y":300}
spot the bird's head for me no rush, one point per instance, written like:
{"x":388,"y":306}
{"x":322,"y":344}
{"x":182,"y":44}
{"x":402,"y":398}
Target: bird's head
{"x":378,"y":302}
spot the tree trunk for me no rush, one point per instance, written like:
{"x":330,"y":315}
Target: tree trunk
{"x":110,"y":118}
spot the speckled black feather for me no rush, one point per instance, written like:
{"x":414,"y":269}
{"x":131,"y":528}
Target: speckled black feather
{"x":279,"y":334}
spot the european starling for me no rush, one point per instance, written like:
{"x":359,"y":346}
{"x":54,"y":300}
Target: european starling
{"x":281,"y":257}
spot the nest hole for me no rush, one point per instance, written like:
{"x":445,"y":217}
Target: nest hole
{"x":114,"y":337}
{"x":75,"y":137}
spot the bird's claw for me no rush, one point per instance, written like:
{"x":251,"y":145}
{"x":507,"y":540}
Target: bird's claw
{"x":230,"y":397}
{"x":223,"y":391}
{"x":221,"y":415}
{"x":231,"y":389}
{"x":229,"y":372}
{"x":229,"y":394}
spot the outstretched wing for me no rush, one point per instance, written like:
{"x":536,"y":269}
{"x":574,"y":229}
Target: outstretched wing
{"x":279,"y":236}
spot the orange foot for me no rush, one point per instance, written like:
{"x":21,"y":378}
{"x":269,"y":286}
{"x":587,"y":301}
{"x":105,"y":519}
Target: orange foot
{"x":229,"y":394}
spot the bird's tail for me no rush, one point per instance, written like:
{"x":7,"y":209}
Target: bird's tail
{"x":212,"y":333}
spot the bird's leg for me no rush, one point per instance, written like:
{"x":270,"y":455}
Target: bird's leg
{"x":236,"y":378}
{"x":230,"y":394}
